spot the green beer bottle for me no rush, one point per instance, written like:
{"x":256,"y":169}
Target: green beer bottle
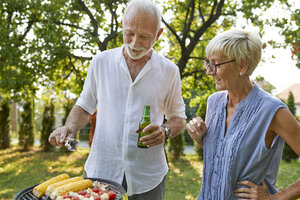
{"x":143,"y":123}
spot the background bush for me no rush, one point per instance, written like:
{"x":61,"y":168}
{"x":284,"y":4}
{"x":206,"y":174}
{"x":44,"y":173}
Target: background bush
{"x":48,"y":123}
{"x":26,"y":138}
{"x":288,"y":153}
{"x":4,"y":124}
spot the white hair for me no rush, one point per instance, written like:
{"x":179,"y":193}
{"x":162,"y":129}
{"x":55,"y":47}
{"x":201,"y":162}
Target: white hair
{"x":146,"y":6}
{"x":238,"y":45}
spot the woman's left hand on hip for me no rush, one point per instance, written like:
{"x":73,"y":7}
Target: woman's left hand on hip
{"x":253,"y":192}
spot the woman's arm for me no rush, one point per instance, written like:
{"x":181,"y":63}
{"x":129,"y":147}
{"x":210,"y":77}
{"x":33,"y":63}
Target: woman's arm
{"x":286,"y":126}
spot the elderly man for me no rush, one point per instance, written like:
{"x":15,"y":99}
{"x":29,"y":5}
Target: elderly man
{"x":119,"y":83}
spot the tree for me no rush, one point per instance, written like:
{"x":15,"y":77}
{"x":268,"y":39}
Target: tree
{"x":4,"y":124}
{"x":50,"y":43}
{"x":193,"y":24}
{"x":288,"y":153}
{"x":291,"y":103}
{"x":26,"y":137}
{"x":47,"y":126}
{"x":67,"y":108}
{"x":176,"y":146}
{"x":16,"y":20}
{"x":289,"y":28}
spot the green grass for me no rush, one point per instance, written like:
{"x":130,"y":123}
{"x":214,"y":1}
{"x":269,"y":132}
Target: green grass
{"x":19,"y":170}
{"x":288,"y":173}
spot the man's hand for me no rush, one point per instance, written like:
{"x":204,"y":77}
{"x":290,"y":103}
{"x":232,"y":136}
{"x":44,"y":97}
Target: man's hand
{"x":254,"y":192}
{"x":156,"y":137}
{"x":58,"y":136}
{"x":196,"y":129}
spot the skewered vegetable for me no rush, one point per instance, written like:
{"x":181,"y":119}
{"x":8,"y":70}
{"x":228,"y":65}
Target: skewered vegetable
{"x":52,"y":187}
{"x":39,"y":190}
{"x":74,"y":186}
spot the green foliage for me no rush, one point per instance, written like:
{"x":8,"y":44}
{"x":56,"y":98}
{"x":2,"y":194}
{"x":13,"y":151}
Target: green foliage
{"x":289,"y":28}
{"x":16,"y":72}
{"x":4,"y":124}
{"x":192,"y":25}
{"x":48,"y":123}
{"x":198,"y":150}
{"x":67,"y":108}
{"x":291,"y":103}
{"x":176,"y":146}
{"x":288,"y":153}
{"x":26,"y":137}
{"x":50,"y":43}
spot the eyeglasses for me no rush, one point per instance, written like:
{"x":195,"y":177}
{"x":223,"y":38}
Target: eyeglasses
{"x":213,"y":67}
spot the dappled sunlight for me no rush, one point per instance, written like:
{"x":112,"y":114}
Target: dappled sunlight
{"x":11,"y":153}
{"x":197,"y":166}
{"x":184,"y":177}
{"x":4,"y":191}
{"x":189,"y":197}
{"x":177,"y":171}
{"x":20,"y":169}
{"x":69,"y":163}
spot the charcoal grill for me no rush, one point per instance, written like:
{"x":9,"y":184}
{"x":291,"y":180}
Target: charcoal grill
{"x":27,"y":194}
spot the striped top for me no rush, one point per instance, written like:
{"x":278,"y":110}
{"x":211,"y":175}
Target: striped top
{"x":240,"y":153}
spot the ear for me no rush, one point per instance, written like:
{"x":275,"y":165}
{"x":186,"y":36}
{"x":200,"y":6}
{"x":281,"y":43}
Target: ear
{"x":243,"y":67}
{"x":159,"y":33}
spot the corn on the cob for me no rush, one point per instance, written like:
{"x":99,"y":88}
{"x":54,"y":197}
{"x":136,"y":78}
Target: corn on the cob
{"x":40,"y":189}
{"x":74,"y":187}
{"x":52,"y":187}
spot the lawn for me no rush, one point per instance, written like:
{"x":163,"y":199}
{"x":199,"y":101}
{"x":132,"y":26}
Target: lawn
{"x":19,"y":170}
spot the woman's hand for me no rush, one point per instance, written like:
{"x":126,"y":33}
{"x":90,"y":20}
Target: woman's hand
{"x":196,"y":129}
{"x":254,"y":192}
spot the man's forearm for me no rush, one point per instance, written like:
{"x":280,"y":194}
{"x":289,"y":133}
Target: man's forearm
{"x":77,"y":119}
{"x":176,"y":125}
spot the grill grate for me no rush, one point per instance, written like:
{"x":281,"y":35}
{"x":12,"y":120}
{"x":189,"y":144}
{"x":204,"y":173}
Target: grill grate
{"x":28,"y":195}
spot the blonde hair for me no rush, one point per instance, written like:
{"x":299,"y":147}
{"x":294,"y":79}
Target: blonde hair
{"x":146,"y":6}
{"x":237,"y":45}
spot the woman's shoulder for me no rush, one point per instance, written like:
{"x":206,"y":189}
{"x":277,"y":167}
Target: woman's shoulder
{"x":270,"y":100}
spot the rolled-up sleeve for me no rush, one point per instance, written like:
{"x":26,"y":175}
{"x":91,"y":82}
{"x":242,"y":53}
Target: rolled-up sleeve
{"x":174,"y":105}
{"x":88,"y":96}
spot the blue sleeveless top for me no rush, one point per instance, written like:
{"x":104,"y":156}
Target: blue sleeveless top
{"x":241,"y":153}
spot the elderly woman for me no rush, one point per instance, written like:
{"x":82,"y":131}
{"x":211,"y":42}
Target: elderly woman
{"x":245,"y":128}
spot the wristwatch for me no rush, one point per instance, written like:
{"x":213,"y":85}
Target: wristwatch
{"x":167,"y":131}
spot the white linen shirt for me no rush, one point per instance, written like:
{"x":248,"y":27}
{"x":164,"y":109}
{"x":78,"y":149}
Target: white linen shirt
{"x":120,"y":102}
